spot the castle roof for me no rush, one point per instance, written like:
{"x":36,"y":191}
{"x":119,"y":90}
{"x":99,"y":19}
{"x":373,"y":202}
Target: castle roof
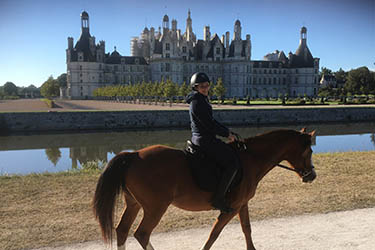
{"x":118,"y":59}
{"x":83,"y":45}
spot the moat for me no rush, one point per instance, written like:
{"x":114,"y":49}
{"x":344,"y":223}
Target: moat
{"x":24,"y":154}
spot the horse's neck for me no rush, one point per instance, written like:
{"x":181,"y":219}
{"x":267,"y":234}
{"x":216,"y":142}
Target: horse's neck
{"x":266,"y":154}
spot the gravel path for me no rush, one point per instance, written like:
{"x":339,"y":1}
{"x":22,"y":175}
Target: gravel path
{"x":340,"y":230}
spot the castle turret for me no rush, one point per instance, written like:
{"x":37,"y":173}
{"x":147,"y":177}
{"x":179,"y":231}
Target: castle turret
{"x":206,"y":33}
{"x":174,"y":25}
{"x":237,"y":30}
{"x":85,"y":21}
{"x":165,"y":24}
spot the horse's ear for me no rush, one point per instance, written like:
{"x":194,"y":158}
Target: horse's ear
{"x":303,"y":130}
{"x":312,"y":134}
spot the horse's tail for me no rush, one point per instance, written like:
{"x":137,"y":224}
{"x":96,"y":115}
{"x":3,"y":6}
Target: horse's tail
{"x":111,"y":182}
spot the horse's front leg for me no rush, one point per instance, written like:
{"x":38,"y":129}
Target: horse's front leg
{"x":246,"y":227}
{"x":220,"y":223}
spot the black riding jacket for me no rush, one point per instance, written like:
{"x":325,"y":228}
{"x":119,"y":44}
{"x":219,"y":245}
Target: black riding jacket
{"x":203,"y":125}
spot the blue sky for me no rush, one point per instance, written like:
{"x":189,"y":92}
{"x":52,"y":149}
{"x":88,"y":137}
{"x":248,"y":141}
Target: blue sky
{"x":33,"y":33}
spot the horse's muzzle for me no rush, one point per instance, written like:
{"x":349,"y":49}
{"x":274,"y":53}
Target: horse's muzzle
{"x":310,"y":176}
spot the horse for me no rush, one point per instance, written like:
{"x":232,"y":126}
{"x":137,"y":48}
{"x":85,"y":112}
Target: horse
{"x":155,"y":177}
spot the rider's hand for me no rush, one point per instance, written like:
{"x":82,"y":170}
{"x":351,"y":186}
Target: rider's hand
{"x":231,"y":137}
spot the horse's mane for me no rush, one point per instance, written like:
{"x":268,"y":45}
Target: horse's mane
{"x":274,"y":137}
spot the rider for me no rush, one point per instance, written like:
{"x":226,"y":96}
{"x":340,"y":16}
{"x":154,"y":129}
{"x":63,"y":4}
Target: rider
{"x":204,"y":129}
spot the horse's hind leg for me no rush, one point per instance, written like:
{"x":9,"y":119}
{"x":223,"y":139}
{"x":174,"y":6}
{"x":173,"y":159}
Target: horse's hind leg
{"x":150,"y":220}
{"x":127,"y":219}
{"x":220,"y":223}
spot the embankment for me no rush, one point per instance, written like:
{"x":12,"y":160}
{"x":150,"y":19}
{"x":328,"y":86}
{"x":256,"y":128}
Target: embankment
{"x":122,"y":120}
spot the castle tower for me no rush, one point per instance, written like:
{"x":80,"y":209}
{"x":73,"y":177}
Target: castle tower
{"x":237,"y":30}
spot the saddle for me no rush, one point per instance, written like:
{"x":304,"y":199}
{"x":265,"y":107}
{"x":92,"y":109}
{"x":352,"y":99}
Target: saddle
{"x":206,"y":171}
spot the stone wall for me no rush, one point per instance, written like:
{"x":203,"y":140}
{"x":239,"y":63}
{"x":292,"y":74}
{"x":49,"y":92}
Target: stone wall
{"x":122,"y":120}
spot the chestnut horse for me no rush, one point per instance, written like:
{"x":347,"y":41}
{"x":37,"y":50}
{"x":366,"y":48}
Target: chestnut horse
{"x":157,"y":176}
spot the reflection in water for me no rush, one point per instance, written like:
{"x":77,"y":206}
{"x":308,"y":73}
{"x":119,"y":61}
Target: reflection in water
{"x":53,"y":154}
{"x":67,"y":151}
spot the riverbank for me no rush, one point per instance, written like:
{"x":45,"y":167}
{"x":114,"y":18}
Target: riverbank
{"x":142,"y":116}
{"x":55,"y":209}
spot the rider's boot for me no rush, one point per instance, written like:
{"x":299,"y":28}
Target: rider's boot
{"x":218,"y":201}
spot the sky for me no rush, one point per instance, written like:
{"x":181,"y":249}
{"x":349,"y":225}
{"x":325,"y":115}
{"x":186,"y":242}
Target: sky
{"x":33,"y":33}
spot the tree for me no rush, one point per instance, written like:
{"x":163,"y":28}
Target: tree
{"x":359,"y":81}
{"x":53,"y":154}
{"x":183,"y":89}
{"x":10,"y":89}
{"x":219,"y":90}
{"x":170,"y":89}
{"x":341,"y":76}
{"x":62,"y":80}
{"x":50,"y":88}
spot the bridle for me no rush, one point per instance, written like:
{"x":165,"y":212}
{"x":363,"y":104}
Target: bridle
{"x":241,"y":146}
{"x":303,"y":173}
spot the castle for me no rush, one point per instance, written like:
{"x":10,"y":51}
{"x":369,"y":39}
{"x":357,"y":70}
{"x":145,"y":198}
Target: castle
{"x":167,"y":53}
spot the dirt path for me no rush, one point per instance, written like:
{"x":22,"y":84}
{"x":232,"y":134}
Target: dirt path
{"x":340,"y":230}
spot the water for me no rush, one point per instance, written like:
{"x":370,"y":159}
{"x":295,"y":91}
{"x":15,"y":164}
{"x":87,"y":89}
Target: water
{"x":24,"y":154}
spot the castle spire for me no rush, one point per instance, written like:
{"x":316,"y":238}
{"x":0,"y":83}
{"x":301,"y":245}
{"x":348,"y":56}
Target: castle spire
{"x":189,"y":27}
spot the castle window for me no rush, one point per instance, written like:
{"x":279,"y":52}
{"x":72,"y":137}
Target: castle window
{"x":167,"y":46}
{"x":218,"y":51}
{"x":80,"y":67}
{"x":218,"y":59}
{"x":167,"y":55}
{"x":184,"y":57}
{"x":184,"y":49}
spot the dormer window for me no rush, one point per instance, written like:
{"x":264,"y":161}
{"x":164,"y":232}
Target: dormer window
{"x":184,"y":49}
{"x":217,"y":51}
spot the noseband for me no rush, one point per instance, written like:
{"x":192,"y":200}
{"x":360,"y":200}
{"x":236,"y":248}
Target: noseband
{"x":303,"y":173}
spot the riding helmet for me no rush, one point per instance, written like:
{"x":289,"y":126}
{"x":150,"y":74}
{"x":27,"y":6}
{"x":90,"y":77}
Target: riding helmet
{"x":197,"y":78}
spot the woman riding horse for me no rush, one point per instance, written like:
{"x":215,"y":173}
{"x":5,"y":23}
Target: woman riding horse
{"x":155,"y":177}
{"x":204,"y":129}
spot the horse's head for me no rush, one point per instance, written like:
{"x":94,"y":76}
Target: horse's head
{"x":300,"y":157}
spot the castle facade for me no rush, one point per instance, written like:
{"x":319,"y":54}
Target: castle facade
{"x":169,"y":53}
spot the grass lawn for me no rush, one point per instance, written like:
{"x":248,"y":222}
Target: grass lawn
{"x":55,"y":209}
